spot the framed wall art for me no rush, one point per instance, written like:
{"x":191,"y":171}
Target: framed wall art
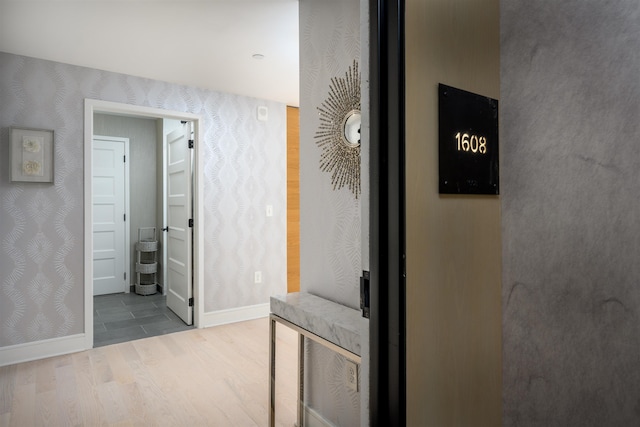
{"x":31,"y":155}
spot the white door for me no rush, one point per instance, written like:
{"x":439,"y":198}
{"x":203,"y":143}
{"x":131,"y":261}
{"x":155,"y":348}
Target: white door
{"x":110,"y":188}
{"x":179,"y":236}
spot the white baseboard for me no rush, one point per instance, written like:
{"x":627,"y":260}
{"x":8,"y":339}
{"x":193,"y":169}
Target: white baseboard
{"x":42,"y":349}
{"x":57,"y":346}
{"x":233,"y":315}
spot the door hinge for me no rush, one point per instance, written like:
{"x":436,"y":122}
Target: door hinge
{"x":125,"y":275}
{"x":191,"y":223}
{"x":124,"y":159}
{"x":191,"y":302}
{"x":191,"y":143}
{"x":125,"y":217}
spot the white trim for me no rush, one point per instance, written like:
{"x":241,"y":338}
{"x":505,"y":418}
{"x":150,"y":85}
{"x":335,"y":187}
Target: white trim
{"x":198,"y":231}
{"x":232,"y":315}
{"x":88,"y":225}
{"x":41,"y":349}
{"x":93,"y":105}
{"x":127,"y":210}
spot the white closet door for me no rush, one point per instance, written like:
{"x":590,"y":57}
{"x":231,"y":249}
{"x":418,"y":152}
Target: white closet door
{"x":109,"y":222}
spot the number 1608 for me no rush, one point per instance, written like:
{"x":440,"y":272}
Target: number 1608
{"x":473,"y":143}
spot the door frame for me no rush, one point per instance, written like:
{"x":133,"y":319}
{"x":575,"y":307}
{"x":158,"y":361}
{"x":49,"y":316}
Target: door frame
{"x":127,"y":231}
{"x":92,"y":106}
{"x":387,"y":327}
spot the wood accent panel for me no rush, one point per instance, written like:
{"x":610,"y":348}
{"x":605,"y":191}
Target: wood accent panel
{"x":293,"y":199}
{"x":453,"y":267}
{"x":214,"y":376}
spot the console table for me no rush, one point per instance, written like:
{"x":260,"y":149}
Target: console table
{"x":325,"y":322}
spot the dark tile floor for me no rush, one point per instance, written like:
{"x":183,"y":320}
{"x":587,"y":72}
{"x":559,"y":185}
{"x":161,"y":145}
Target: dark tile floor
{"x":125,"y":317}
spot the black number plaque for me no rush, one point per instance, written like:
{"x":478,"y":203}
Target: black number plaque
{"x":468,"y":142}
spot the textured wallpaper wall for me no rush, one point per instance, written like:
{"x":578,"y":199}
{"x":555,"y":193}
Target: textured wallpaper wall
{"x":330,"y":258}
{"x":41,"y":226}
{"x":330,"y":221}
{"x":570,"y":200}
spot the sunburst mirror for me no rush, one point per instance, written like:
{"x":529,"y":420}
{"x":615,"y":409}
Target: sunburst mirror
{"x":339,"y":132}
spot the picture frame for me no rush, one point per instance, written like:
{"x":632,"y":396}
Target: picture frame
{"x":31,"y":155}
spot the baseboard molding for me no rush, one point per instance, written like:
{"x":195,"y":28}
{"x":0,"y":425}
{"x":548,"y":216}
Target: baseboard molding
{"x":57,"y":346}
{"x":42,"y":349}
{"x":314,"y":419}
{"x":233,"y":315}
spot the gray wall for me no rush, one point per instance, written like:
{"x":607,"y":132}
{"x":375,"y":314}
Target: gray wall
{"x":142,"y":173}
{"x":41,"y":226}
{"x":330,"y":221}
{"x":571,"y":238}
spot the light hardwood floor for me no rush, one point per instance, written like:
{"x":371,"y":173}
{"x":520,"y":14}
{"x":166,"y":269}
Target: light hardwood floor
{"x":203,"y":377}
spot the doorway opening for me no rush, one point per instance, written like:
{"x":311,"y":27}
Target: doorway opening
{"x":182,"y":281}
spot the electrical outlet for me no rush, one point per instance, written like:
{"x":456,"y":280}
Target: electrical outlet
{"x":269,"y":210}
{"x":257,"y":277}
{"x":263,"y":113}
{"x":351,"y":371}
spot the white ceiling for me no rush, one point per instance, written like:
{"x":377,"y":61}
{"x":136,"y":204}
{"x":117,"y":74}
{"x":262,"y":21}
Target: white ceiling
{"x":203,"y":43}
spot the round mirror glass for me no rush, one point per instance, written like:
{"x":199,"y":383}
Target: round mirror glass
{"x":351,"y":128}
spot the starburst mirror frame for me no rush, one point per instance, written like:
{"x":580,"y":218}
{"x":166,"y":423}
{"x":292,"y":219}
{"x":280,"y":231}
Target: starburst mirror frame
{"x":338,"y":134}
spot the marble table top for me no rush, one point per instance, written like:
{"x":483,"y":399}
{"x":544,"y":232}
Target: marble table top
{"x":334,"y":322}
